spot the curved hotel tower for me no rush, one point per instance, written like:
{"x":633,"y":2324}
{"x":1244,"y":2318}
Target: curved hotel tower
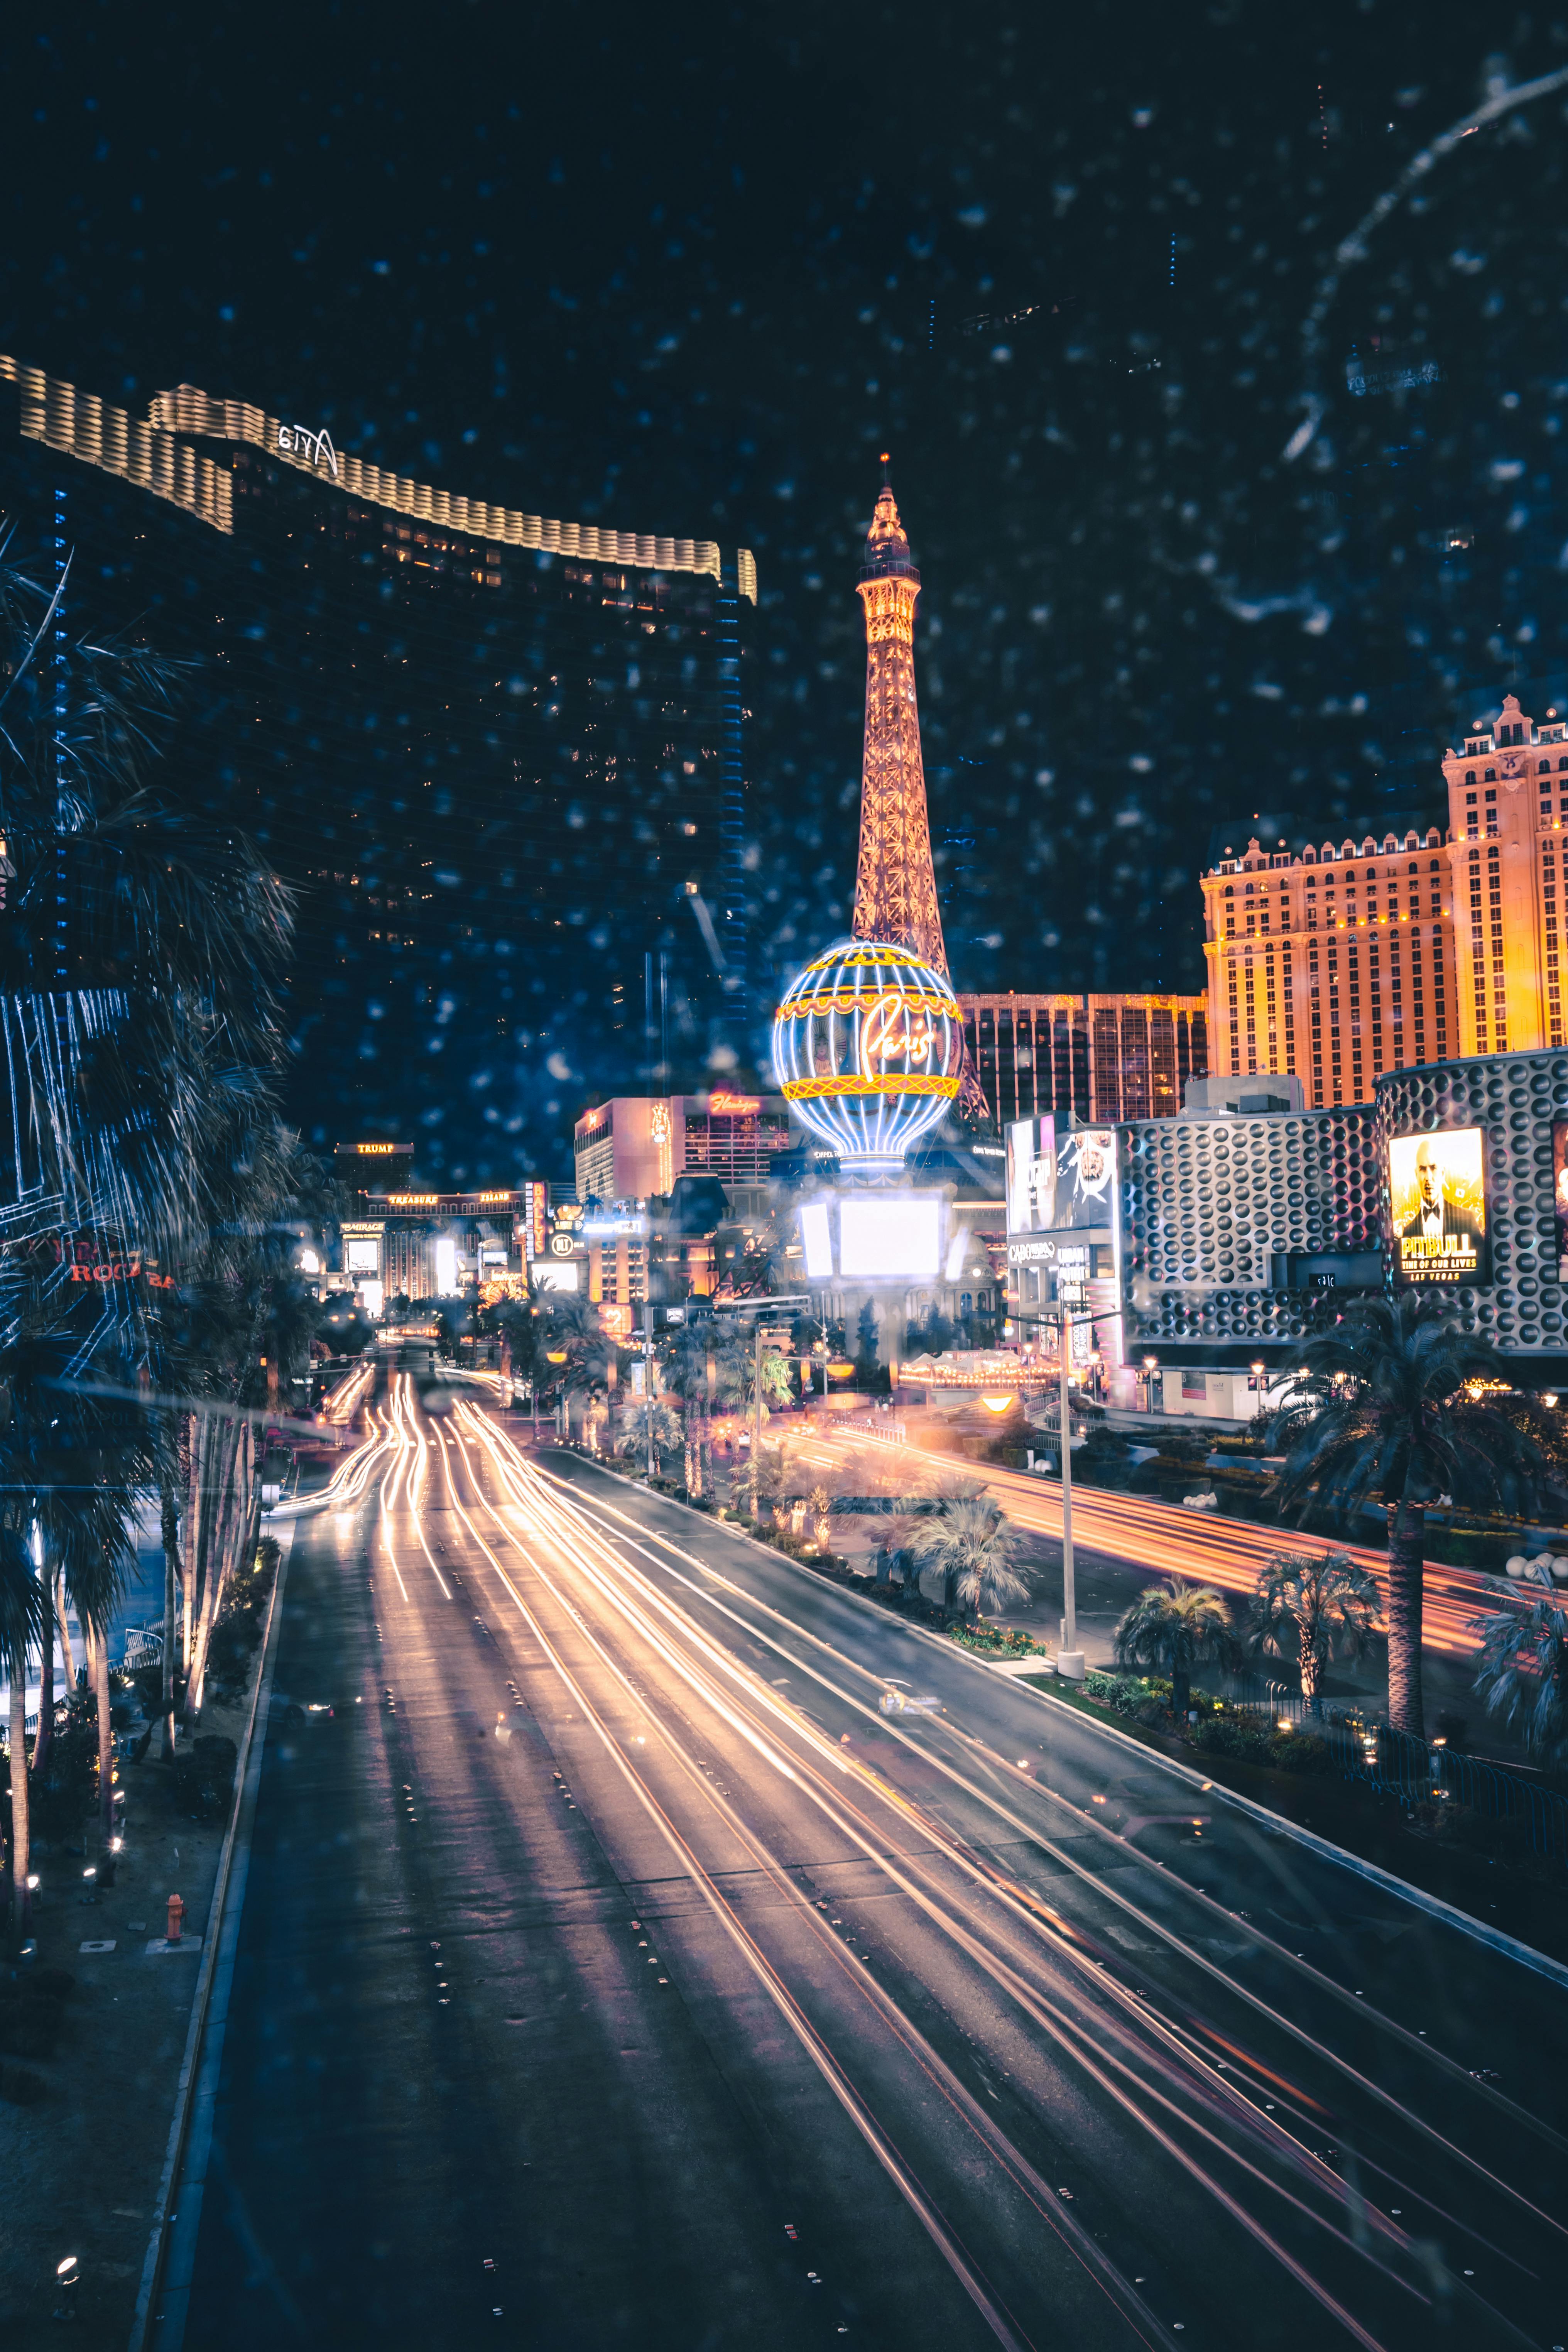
{"x":501,"y":758}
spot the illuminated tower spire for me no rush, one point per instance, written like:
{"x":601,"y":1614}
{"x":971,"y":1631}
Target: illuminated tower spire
{"x":895,"y":881}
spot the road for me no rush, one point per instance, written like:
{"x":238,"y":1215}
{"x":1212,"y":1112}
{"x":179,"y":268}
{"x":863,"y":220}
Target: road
{"x":712,"y":2005}
{"x":1202,"y":1544}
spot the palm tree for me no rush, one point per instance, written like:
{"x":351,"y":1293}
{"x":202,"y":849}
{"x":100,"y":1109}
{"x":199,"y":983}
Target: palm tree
{"x":1397,"y":1402}
{"x":1173,"y":1627}
{"x":666,"y":1430}
{"x":1523,"y":1673}
{"x":972,"y":1547}
{"x":1311,"y":1608}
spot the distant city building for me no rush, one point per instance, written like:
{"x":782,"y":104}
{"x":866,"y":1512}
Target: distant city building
{"x":1345,"y":962}
{"x":636,"y":1145}
{"x":1098,"y":1058}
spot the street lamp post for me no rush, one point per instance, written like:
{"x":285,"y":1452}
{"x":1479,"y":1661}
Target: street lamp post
{"x":1069,"y":1657}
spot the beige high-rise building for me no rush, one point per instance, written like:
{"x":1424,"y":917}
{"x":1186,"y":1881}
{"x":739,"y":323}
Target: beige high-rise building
{"x":1507,"y":803}
{"x":1336,"y":965}
{"x":1371,"y":955}
{"x":1100,"y":1058}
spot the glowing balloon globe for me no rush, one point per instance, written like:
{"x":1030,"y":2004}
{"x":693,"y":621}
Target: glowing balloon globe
{"x":869,"y":1052}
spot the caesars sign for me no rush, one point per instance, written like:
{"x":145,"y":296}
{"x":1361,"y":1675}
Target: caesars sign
{"x":1437,"y":1187}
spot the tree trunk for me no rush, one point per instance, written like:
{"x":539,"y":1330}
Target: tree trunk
{"x":21,"y":1900}
{"x":219,"y":1497}
{"x":195,"y":1527}
{"x":171,"y":1575}
{"x":59,"y":1592}
{"x":45,"y":1685}
{"x":1311,"y":1678}
{"x":1180,"y":1689}
{"x":105,"y":1742}
{"x":1406,"y":1543}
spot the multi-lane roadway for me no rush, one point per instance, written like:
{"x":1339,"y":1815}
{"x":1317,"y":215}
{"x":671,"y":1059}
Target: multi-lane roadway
{"x":615,"y":1968}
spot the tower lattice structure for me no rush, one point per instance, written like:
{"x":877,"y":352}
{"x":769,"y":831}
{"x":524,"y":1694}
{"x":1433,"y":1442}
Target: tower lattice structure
{"x":895,"y":880}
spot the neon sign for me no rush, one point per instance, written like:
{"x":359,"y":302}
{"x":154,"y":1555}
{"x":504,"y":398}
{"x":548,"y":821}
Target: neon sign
{"x":294,"y":441}
{"x":895,"y":1030}
{"x":724,"y":1106}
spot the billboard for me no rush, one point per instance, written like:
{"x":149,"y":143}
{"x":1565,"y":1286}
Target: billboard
{"x":1438,"y":1201}
{"x":1085,"y":1178}
{"x":1559,"y":1192}
{"x":891,"y":1234}
{"x":1031,"y":1175}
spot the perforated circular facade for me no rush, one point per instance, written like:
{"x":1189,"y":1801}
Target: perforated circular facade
{"x":1209,"y":1207}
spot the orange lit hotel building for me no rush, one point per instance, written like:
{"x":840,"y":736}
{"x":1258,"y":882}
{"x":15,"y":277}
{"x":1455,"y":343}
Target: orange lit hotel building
{"x":1359,"y":957}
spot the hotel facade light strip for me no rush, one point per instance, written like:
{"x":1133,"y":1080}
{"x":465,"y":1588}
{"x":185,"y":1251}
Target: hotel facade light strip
{"x":155,"y":457}
{"x":79,"y":424}
{"x":188,"y":410}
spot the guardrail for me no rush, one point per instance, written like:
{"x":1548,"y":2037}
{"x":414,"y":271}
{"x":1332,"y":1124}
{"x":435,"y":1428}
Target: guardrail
{"x":1420,"y":1772}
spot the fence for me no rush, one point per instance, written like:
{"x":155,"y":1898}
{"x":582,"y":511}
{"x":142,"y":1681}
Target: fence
{"x":1419,"y":1772}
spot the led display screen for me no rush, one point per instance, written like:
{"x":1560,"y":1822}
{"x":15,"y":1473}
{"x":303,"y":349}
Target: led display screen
{"x":1031,"y":1175}
{"x":363,"y":1257}
{"x":1085,"y":1178}
{"x":446,"y":1266}
{"x":554,"y":1273}
{"x":816,"y":1240}
{"x":1559,"y":1192}
{"x":1438,"y":1199}
{"x":891,"y":1234}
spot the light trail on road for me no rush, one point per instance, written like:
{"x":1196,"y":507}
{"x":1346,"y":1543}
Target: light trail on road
{"x":1108,"y":2102}
{"x":1204,"y":1546}
{"x":1157,"y":2069}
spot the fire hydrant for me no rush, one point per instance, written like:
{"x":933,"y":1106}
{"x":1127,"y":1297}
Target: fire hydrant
{"x":176,"y":1917}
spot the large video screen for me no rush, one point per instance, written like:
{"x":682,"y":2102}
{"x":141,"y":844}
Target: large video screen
{"x":1085,"y":1178}
{"x":894,"y":1234}
{"x":1559,"y":1192}
{"x":1437,"y":1196}
{"x":1031,"y":1175}
{"x":817,"y":1238}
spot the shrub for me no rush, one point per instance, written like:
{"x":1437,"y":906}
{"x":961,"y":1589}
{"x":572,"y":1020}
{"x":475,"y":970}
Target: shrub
{"x":996,"y":1640}
{"x":1139,"y":1696}
{"x":232,"y":1646}
{"x":1225,"y":1735}
{"x":21,"y":2086}
{"x":1250,"y":1743}
{"x":1301,"y":1751}
{"x":203,"y":1777}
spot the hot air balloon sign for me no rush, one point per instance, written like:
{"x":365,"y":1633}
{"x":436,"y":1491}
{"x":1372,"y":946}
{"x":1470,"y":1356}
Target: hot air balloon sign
{"x":868,"y":1047}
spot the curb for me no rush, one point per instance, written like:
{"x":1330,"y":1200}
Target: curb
{"x":247,"y":1772}
{"x":1447,"y":1913}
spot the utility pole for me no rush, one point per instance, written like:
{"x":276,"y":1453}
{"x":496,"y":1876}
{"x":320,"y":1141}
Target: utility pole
{"x":647,"y":1374}
{"x":1069,"y":1657}
{"x":756,"y":1416}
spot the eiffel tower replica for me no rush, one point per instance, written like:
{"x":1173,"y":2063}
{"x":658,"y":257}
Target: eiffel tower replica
{"x":895,"y":880}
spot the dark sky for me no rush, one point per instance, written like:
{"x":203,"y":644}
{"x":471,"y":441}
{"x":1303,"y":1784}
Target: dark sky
{"x":682,"y":271}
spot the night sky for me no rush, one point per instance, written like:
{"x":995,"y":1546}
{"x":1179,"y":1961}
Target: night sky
{"x":679,"y":272}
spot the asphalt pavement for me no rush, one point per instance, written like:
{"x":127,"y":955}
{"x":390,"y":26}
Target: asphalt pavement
{"x":614,"y":1970}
